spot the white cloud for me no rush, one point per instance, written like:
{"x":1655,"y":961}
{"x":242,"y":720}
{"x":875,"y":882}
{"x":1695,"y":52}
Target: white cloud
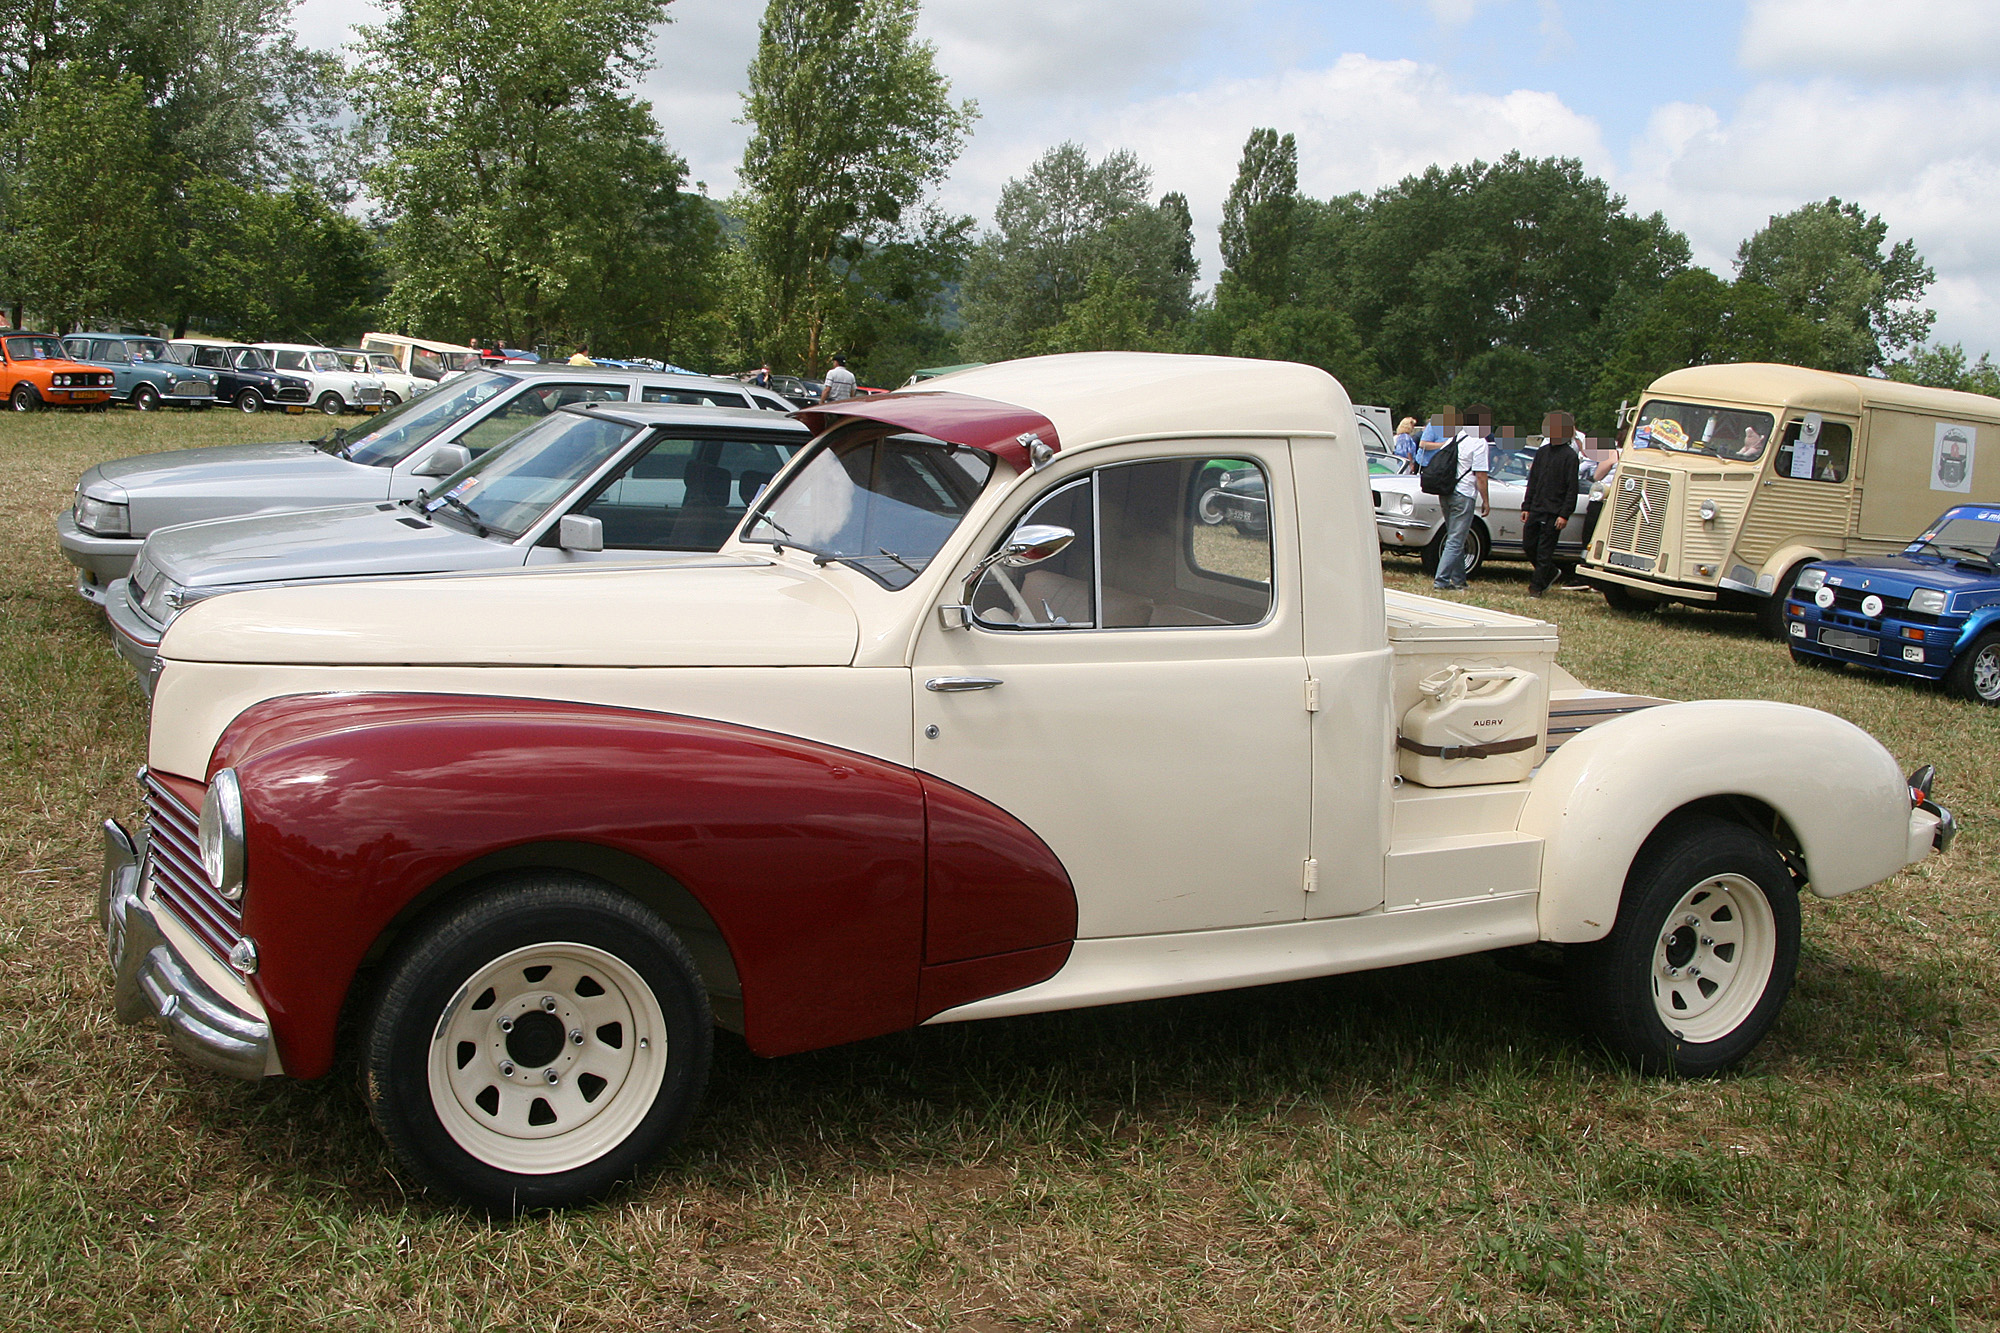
{"x":1920,"y":39}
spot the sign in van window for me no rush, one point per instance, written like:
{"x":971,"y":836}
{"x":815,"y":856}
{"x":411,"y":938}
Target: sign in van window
{"x":1951,"y":457}
{"x":1815,"y":450}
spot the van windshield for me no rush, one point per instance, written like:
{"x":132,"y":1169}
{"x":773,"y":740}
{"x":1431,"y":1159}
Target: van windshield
{"x":1696,"y":428}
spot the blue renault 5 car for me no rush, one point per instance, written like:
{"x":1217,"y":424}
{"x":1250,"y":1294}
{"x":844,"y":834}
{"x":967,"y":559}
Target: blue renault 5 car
{"x":1932,"y":612}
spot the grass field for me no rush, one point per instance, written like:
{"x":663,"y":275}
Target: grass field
{"x":1432,"y":1147}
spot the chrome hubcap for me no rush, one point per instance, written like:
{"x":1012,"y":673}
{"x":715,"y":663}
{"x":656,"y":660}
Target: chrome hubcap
{"x":1986,"y":672}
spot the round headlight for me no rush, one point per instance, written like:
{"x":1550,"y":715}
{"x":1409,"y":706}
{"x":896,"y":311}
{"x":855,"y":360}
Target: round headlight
{"x":222,"y":834}
{"x":1709,"y":511}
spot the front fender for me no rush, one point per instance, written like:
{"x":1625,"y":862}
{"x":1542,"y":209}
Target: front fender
{"x":1599,"y":797}
{"x":1976,"y":624}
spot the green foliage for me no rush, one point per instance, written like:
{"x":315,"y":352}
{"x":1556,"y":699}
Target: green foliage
{"x":1948,"y":367}
{"x":851,"y":124}
{"x":286,"y":265}
{"x":1057,"y":228}
{"x":1258,"y":216}
{"x":1825,"y":262}
{"x":527,"y":197}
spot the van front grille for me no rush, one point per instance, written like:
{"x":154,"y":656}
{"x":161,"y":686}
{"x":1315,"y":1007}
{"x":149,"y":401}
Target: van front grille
{"x":1639,"y":512}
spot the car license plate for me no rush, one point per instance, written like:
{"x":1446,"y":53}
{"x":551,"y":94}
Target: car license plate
{"x":1853,"y":643}
{"x":293,"y":410}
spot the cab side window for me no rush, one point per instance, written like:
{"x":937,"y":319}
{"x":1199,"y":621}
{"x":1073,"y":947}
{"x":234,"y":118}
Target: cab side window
{"x":1828,"y":456}
{"x":1169,"y":543}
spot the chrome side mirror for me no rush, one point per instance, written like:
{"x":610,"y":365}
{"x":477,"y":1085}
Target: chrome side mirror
{"x":443,"y":461}
{"x":1029,"y":545}
{"x":580,"y":532}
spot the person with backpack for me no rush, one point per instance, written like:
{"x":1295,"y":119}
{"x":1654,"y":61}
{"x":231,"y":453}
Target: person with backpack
{"x":1457,"y":474}
{"x":1550,"y":498}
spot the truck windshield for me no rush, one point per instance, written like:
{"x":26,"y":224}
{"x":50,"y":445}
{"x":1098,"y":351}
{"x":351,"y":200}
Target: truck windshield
{"x":1696,"y":428}
{"x":505,"y":490}
{"x":879,"y":502}
{"x":388,"y":439}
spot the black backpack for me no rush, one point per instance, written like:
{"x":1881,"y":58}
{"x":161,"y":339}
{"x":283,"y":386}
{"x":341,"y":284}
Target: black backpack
{"x":1440,"y":475}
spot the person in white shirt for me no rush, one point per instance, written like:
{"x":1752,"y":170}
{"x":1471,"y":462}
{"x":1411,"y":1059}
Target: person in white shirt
{"x":1473,"y":465}
{"x":839,"y":382}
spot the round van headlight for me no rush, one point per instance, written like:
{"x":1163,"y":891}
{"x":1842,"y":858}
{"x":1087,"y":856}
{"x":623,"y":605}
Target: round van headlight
{"x":222,"y":834}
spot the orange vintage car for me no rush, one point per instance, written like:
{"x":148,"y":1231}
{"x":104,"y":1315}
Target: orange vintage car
{"x":34,"y":373}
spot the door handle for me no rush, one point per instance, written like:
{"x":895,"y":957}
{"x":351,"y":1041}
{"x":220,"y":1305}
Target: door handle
{"x":960,"y":684}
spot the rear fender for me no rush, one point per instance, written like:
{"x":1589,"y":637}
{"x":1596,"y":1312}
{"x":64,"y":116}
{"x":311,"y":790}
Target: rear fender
{"x":1598,"y":798}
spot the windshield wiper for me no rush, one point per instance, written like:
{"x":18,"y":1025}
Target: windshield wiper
{"x":1968,"y":552}
{"x":899,"y":559}
{"x":763,"y":517}
{"x":471,"y":514}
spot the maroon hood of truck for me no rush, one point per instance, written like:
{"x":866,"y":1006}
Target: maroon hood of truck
{"x":1000,"y":429}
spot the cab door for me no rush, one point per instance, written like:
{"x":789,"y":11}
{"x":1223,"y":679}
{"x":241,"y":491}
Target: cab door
{"x":1808,"y":494}
{"x":1138,"y":700}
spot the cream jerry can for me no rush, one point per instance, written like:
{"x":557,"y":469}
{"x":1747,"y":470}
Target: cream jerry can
{"x":1477,"y":724}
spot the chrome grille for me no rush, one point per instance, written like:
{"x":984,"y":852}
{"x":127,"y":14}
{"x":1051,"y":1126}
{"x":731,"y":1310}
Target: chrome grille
{"x":293,"y":393}
{"x":174,"y":874}
{"x":369,"y":393}
{"x":1639,"y":513}
{"x":191,"y":389}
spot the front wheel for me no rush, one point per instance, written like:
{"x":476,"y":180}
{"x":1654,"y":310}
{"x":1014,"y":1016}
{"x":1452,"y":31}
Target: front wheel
{"x":392,"y":400}
{"x":1771,"y":611}
{"x":24,"y":398}
{"x":1976,"y":673}
{"x":1702,"y":954}
{"x":249,"y":401}
{"x":1624,"y":601}
{"x":1475,"y":551}
{"x":537,"y":1045}
{"x":145,"y":397}
{"x":331,"y":403}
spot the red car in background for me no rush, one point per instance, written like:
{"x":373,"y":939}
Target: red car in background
{"x":36,"y":373}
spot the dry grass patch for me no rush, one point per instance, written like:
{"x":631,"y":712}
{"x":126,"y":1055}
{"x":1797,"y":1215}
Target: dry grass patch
{"x":1430,"y":1147}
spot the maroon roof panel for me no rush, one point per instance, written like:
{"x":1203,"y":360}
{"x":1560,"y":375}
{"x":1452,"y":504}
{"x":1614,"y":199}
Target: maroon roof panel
{"x":1001,"y":429}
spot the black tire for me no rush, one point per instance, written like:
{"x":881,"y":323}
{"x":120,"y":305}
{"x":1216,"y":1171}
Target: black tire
{"x":461,"y":1039}
{"x":24,"y":398}
{"x":1976,"y":673}
{"x":145,"y":397}
{"x":1701,"y":957}
{"x":331,"y":403}
{"x":1771,"y":611}
{"x":249,"y":401}
{"x":391,"y":400}
{"x":1624,"y":601}
{"x":1476,"y":544}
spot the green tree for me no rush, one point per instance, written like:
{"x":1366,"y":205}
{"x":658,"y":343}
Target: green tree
{"x":1947,"y":367}
{"x":1825,"y":262}
{"x":527,"y":196}
{"x":851,"y":125}
{"x":1067,"y":220}
{"x":280,"y":264}
{"x":1258,"y":216}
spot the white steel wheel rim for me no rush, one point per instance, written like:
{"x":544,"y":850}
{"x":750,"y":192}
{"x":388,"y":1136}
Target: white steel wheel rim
{"x":1713,"y":958}
{"x":505,"y":1110}
{"x":1986,"y":672}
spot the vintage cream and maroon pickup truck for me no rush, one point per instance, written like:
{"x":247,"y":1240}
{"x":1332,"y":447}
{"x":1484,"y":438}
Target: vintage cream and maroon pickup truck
{"x":974,"y":716}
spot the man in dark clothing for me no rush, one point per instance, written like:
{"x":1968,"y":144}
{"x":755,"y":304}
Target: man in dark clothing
{"x":1550,"y":498}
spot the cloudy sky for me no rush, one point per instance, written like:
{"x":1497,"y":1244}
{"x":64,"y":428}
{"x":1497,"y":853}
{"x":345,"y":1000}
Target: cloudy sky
{"x":1719,"y":113}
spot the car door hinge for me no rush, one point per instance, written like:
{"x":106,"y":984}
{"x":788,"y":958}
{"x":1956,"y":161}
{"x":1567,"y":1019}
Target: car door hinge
{"x":1312,"y":875}
{"x":1312,"y":695}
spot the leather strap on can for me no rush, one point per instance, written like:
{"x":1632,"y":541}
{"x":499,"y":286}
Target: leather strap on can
{"x":1465,"y":751}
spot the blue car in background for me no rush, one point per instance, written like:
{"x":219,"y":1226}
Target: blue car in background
{"x":1932,"y":612}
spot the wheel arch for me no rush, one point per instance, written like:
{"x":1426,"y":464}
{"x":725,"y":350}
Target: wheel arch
{"x":1827,"y":793}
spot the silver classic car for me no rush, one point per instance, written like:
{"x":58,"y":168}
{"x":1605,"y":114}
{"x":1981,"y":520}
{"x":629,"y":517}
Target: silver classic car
{"x":1411,"y":522}
{"x":594,"y":482}
{"x":387,"y":457}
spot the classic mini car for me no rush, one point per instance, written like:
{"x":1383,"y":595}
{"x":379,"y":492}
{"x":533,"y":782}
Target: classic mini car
{"x":602,"y":482}
{"x":933,"y":738}
{"x":146,"y":373}
{"x":35,"y":373}
{"x":387,"y":457}
{"x":1409,"y":521}
{"x":1932,"y":612}
{"x":398,"y":385}
{"x":338,"y":381}
{"x":243,"y":375}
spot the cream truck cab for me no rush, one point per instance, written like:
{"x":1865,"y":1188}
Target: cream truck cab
{"x":973,"y":716}
{"x":1739,"y":476}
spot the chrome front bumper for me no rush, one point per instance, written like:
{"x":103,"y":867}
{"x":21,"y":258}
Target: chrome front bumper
{"x":135,"y":638}
{"x":154,"y":983}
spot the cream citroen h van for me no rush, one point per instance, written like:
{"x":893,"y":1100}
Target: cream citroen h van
{"x":1738,"y":476}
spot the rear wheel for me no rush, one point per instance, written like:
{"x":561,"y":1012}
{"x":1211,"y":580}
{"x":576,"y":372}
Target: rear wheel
{"x":331,"y":403}
{"x":145,"y":397}
{"x":1976,"y":673}
{"x":537,"y":1045}
{"x":249,"y":401}
{"x":24,"y":398}
{"x":1702,"y":955}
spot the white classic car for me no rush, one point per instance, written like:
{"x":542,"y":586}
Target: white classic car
{"x":1411,"y":522}
{"x":339,"y":381}
{"x":933,"y":738}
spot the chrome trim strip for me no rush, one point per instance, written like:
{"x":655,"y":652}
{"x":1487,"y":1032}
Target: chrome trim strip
{"x":152,"y":982}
